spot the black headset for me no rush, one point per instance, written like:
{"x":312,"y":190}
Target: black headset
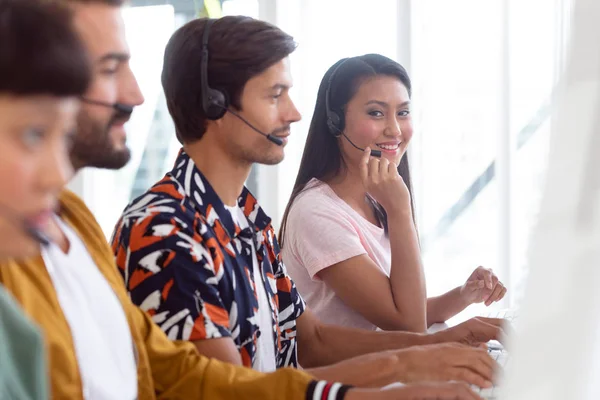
{"x":335,"y":121}
{"x":214,"y":102}
{"x":122,"y":108}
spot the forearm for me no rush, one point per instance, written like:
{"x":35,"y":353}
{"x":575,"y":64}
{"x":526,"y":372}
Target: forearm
{"x":444,"y":307}
{"x":370,"y":370}
{"x":407,"y":279}
{"x":332,"y":344}
{"x":224,"y":381}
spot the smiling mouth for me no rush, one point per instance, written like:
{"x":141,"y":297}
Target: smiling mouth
{"x":389,"y":147}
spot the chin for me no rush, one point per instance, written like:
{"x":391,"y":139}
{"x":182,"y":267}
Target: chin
{"x":271,"y":155}
{"x":271,"y":159}
{"x":116,"y":159}
{"x":19,"y":248}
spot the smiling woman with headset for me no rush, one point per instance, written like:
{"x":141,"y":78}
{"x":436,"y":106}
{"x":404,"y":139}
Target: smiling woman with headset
{"x":43,"y":71}
{"x":348,"y":235}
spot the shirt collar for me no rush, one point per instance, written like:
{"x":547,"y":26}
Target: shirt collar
{"x":207,"y":202}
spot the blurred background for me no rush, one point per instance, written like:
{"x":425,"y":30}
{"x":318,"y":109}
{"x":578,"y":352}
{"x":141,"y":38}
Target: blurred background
{"x":483,"y":73}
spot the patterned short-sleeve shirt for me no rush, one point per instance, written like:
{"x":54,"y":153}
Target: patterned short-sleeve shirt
{"x":188,"y":264}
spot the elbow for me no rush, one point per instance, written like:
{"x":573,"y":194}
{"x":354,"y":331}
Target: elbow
{"x":309,"y":350}
{"x":406,"y":323}
{"x":305,"y":360}
{"x":408,"y":315}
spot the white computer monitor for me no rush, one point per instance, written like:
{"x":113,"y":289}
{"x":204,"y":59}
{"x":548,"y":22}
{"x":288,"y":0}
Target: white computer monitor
{"x":556,"y":353}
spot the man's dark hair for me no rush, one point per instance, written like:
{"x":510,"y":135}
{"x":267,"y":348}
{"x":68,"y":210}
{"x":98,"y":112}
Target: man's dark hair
{"x":240,"y":48}
{"x":40,"y":53}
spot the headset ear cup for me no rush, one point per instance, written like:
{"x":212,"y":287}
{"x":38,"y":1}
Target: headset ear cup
{"x":341,"y":122}
{"x":217,"y":104}
{"x":331,"y":127}
{"x":333,"y":123}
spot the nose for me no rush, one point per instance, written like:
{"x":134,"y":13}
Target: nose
{"x":130,"y":92}
{"x":294,"y":115}
{"x":393,"y":128}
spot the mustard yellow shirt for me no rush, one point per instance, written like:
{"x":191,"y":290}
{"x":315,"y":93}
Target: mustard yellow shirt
{"x":166,"y":369}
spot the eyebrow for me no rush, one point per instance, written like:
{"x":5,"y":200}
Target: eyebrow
{"x":279,"y":86}
{"x":120,"y":57}
{"x":384,"y":104}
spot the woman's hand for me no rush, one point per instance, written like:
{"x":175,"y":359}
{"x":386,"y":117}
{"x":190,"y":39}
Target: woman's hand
{"x":381,"y":180}
{"x":482,"y":286}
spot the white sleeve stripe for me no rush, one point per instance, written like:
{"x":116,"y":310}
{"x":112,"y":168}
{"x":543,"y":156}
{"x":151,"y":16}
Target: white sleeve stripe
{"x":318,"y":394}
{"x":334,"y":391}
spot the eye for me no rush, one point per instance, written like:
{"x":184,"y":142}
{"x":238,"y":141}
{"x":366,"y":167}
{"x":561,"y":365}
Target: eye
{"x":375,"y":113}
{"x":108,"y":71}
{"x":404,"y":113}
{"x":33,"y":136}
{"x":109,"y":68}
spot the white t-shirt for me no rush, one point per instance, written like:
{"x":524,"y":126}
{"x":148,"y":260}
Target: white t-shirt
{"x":265,"y":352}
{"x":103,"y":343}
{"x":323,"y":230}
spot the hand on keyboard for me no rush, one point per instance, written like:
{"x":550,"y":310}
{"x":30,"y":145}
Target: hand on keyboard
{"x":475,"y":331}
{"x":502,"y":358}
{"x":433,"y":391}
{"x":447,"y":362}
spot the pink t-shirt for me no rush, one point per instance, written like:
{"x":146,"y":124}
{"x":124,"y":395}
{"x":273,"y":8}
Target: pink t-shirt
{"x":323,"y":230}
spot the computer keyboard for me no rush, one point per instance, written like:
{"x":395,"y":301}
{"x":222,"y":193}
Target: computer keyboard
{"x":497,"y":351}
{"x":502,"y":358}
{"x":507,"y":314}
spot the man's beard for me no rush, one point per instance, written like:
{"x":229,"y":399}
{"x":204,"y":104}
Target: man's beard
{"x":260,"y":153}
{"x":93,"y":146}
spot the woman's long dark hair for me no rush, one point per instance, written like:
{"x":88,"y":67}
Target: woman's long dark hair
{"x":322,"y":158}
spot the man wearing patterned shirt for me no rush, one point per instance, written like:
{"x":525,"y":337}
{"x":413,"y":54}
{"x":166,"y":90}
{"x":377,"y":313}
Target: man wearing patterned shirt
{"x":200,"y":255}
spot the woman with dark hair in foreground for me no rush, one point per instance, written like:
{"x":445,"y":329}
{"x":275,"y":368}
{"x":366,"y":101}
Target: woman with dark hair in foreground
{"x":43,"y":71}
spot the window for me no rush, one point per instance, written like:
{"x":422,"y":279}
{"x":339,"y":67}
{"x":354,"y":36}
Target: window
{"x":482,"y":90}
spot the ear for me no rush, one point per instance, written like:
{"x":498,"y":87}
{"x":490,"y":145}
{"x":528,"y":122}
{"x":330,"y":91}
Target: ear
{"x":219,"y":124}
{"x":214,"y":128}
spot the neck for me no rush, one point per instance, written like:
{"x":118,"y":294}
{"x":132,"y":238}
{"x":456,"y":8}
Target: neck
{"x":225,"y":174}
{"x":348,"y":185}
{"x":57,"y":236}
